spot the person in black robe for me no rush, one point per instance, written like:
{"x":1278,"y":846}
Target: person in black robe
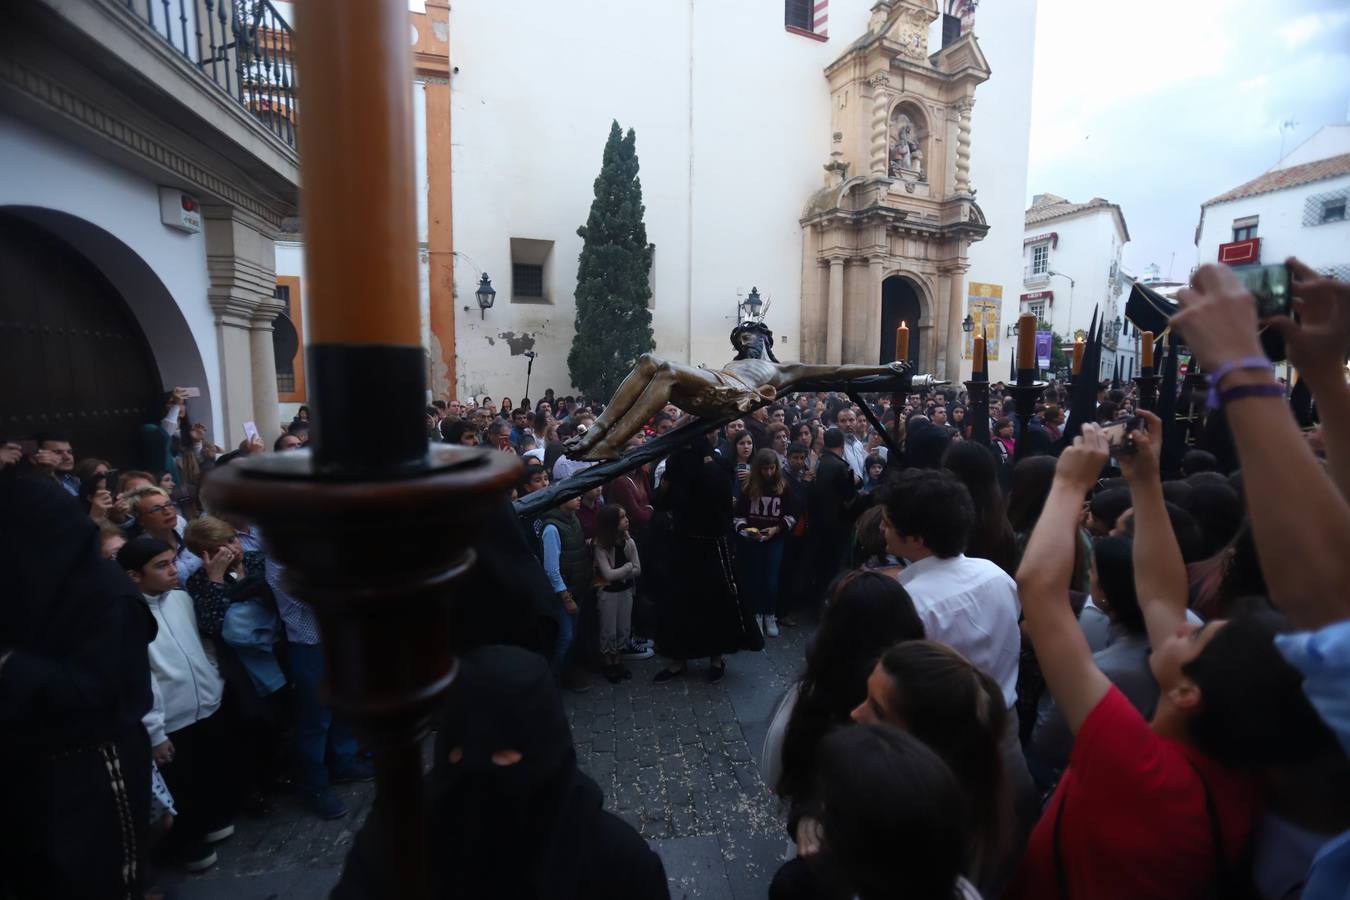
{"x":700,"y":611}
{"x":74,"y":684}
{"x":510,"y":815}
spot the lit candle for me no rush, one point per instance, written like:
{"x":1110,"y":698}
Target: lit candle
{"x":1146,"y":343}
{"x":1026,"y":342}
{"x":1078,"y":347}
{"x":902,"y":342}
{"x":979,"y":363}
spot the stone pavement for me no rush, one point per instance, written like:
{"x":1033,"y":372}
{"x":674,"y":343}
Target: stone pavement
{"x":679,"y":761}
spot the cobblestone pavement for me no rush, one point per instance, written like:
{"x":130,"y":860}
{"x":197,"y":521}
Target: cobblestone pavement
{"x":678,"y":761}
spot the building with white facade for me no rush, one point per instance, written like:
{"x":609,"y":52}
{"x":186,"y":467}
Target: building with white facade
{"x":736,"y":123}
{"x":1071,"y":268}
{"x":1296,"y":208}
{"x":147,"y":158}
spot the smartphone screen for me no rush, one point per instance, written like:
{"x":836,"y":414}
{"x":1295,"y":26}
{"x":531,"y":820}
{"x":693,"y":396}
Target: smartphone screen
{"x":250,"y":431}
{"x":192,"y":392}
{"x":1269,"y":285}
{"x":1118,"y":432}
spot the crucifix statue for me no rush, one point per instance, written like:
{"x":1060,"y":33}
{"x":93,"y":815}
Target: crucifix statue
{"x":752,"y":379}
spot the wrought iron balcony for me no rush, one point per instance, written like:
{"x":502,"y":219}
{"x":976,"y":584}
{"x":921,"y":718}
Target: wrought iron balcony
{"x":1030,"y":276}
{"x":245,"y":47}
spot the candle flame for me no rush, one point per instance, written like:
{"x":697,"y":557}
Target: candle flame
{"x":903,"y":324}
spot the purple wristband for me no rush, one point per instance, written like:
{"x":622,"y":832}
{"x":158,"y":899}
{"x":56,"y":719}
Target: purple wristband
{"x":1218,"y":375}
{"x":1242,"y":391}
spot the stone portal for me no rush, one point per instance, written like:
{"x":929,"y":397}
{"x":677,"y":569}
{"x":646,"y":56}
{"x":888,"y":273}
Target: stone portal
{"x":897,"y":214}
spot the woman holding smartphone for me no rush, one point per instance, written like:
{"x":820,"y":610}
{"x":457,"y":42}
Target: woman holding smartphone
{"x":763,"y":518}
{"x":743,"y":449}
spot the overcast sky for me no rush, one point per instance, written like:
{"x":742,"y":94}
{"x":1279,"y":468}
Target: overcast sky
{"x":1159,"y":105}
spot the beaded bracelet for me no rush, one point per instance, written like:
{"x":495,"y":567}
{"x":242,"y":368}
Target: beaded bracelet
{"x":1250,"y":390}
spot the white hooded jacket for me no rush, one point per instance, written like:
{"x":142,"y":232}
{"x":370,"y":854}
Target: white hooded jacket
{"x":183,"y":677}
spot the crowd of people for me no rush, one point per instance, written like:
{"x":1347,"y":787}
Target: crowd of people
{"x":1039,"y":668}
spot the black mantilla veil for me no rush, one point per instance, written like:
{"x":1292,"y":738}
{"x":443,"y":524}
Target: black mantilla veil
{"x":761,"y":347}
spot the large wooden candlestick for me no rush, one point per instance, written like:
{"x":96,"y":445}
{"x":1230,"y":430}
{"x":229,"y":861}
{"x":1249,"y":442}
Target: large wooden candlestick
{"x":1026,"y":348}
{"x":977,"y":394}
{"x":371,"y":526}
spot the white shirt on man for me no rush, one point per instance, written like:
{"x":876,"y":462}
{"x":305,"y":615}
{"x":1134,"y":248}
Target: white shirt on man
{"x":855,"y":454}
{"x":971,"y":606}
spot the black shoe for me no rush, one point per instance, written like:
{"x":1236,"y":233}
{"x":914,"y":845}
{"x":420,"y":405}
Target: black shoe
{"x":613,"y":674}
{"x":716,"y":672}
{"x":667,"y":675}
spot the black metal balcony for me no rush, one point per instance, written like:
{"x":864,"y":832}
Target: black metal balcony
{"x":245,"y":46}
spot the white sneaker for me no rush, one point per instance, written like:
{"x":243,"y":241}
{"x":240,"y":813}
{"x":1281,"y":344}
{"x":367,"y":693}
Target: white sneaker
{"x":771,"y":626}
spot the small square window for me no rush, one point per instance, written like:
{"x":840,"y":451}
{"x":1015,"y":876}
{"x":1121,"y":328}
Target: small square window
{"x":1244,"y":232}
{"x":527,"y":280}
{"x":1333,"y":210}
{"x":798,"y":14}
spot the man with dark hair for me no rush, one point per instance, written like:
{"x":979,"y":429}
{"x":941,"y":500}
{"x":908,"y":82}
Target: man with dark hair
{"x":461,"y":431}
{"x":830,"y":510}
{"x":55,"y":455}
{"x":1104,"y":510}
{"x":969,"y":604}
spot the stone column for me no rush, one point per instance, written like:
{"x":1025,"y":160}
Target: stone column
{"x":880,"y":126}
{"x":241,"y":266}
{"x":834,"y":323}
{"x":963,"y":145}
{"x":875,"y":274}
{"x":955,"y":315}
{"x":266,"y":407}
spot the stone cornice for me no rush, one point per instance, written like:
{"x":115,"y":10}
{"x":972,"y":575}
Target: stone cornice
{"x":96,"y":119}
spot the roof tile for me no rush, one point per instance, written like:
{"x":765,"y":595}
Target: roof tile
{"x":1279,"y":179}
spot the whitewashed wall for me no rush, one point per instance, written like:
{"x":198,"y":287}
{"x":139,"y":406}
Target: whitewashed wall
{"x":1000,"y":134}
{"x":732,"y":120}
{"x":1281,"y":227}
{"x":1088,"y":246}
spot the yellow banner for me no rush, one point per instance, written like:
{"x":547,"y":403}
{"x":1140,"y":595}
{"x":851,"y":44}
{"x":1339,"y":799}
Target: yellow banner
{"x":984,"y":302}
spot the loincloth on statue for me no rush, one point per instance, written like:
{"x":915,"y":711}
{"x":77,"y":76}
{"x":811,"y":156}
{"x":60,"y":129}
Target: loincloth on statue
{"x":728,"y":394}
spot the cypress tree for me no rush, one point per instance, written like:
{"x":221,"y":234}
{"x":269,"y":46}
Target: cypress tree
{"x":613,"y":324}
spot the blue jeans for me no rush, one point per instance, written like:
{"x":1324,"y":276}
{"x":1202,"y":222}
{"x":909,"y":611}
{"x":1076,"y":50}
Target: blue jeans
{"x":760,"y":562}
{"x":315,"y":728}
{"x":567,"y":632}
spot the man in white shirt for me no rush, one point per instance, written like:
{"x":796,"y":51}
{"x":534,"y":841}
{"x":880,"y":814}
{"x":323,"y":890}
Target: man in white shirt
{"x":968,"y":604}
{"x":855,"y":451}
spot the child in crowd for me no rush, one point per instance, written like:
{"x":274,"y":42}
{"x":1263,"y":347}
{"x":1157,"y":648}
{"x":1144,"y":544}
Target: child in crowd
{"x":568,"y":564}
{"x":616,"y":559}
{"x":190,"y":737}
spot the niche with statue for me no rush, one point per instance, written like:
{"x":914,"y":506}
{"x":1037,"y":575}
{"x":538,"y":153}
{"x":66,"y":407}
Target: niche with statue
{"x":909,"y":141}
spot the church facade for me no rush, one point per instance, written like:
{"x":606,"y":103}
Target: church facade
{"x":839,"y":163}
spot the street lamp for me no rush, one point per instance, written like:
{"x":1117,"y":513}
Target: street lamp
{"x":1071,"y":287}
{"x":967,"y":324}
{"x":486,"y":295}
{"x":751,"y":305}
{"x":1013,"y":329}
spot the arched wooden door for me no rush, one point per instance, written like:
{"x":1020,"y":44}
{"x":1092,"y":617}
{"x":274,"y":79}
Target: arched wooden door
{"x":899,"y":303}
{"x":73,"y":359}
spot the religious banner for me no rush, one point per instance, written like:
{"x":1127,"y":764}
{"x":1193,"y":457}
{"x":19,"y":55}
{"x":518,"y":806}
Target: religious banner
{"x":1043,"y":347}
{"x":984,"y":303}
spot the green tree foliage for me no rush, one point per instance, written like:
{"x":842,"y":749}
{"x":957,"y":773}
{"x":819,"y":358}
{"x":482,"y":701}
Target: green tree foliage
{"x":613,"y":325}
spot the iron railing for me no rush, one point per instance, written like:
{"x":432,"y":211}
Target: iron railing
{"x":245,"y":46}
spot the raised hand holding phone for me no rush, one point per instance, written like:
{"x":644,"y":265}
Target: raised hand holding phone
{"x":1142,"y":464}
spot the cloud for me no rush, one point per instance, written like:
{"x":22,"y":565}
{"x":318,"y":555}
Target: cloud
{"x":1160,"y":105}
{"x":1308,"y":26}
